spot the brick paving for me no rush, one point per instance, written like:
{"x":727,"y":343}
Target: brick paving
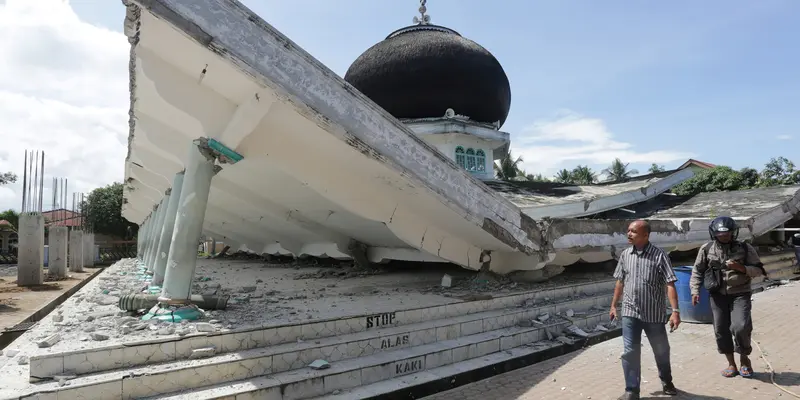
{"x":596,"y":372}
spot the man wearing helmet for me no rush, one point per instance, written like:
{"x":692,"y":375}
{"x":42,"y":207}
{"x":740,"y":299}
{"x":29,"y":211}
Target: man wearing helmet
{"x":726,"y":267}
{"x":795,"y":242}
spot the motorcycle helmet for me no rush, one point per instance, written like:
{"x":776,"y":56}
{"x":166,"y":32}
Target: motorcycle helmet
{"x":721,"y":225}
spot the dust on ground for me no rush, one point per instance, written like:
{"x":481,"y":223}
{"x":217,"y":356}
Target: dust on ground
{"x":268,"y":294}
{"x":18,"y":303}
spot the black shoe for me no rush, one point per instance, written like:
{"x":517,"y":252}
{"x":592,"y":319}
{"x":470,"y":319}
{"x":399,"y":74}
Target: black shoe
{"x":669,"y":389}
{"x":629,"y":396}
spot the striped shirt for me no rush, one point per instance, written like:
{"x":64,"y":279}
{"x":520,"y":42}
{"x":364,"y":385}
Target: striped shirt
{"x":645,"y":274}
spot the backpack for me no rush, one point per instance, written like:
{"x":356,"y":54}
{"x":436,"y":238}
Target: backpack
{"x":712,"y":277}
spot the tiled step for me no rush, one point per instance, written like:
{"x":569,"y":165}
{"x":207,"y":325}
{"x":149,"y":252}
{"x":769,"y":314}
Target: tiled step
{"x":307,"y":383}
{"x":420,"y":384}
{"x":131,"y":355}
{"x":167,"y":377}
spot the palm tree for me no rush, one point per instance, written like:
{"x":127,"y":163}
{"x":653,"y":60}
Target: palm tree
{"x":564,"y":176}
{"x":618,"y":171}
{"x":508,"y":167}
{"x":583,"y":175}
{"x":655,"y":168}
{"x":537,"y":178}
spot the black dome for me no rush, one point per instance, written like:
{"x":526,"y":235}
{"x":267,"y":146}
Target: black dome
{"x":420,"y":71}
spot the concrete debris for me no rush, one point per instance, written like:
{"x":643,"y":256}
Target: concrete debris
{"x":525,"y":323}
{"x":62,"y":379}
{"x":447,"y":281}
{"x":11,"y":353}
{"x":570,"y":313}
{"x":565,"y":340}
{"x":49,"y":341}
{"x":58,"y":318}
{"x":247,"y":289}
{"x":22,"y":360}
{"x":98,"y":336}
{"x":203,"y":352}
{"x":167,"y":330}
{"x":205,"y":327}
{"x":600,"y":328}
{"x":319,"y":364}
{"x":544,"y":317}
{"x":577,"y":331}
{"x":529,"y":303}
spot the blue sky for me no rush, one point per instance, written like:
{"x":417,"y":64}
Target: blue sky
{"x":715,"y":79}
{"x":591,"y":80}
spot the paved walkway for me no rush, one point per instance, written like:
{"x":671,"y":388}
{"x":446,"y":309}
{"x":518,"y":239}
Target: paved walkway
{"x":596,"y":372}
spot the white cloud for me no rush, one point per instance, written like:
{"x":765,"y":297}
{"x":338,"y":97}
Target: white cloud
{"x":63,"y":90}
{"x":784,"y":137}
{"x":569,"y":139}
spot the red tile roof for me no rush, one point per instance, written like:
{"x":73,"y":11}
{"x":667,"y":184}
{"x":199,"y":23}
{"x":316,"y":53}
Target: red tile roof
{"x":698,"y":163}
{"x":62,"y":217}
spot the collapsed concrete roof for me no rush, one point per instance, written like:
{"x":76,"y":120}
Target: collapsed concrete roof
{"x":740,"y":204}
{"x":681,"y":223}
{"x":214,"y":69}
{"x":555,"y":200}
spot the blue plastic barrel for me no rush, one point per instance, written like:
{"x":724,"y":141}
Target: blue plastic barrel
{"x":699,"y":314}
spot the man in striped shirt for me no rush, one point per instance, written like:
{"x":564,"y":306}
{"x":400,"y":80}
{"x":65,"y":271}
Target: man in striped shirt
{"x":644,"y":275}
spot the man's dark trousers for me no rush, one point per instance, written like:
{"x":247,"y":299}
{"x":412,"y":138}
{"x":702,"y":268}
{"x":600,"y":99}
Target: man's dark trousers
{"x":733,"y":324}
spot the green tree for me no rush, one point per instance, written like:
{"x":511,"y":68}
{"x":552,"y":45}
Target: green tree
{"x":7,"y":177}
{"x":655,"y":168}
{"x":508,"y":167}
{"x":779,"y":171}
{"x":618,"y":171}
{"x":716,"y":179}
{"x":103,"y":210}
{"x":583,"y":175}
{"x":564,"y":176}
{"x":11,"y":216}
{"x":749,"y":177}
{"x":537,"y":178}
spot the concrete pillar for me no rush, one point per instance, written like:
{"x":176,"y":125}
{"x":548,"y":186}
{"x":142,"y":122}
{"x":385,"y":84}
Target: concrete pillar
{"x":59,"y":238}
{"x":149,"y":248}
{"x":88,"y":249}
{"x":213,"y":250}
{"x":191,"y":214}
{"x":140,"y":235}
{"x":30,"y":256}
{"x":76,"y":250}
{"x":162,"y":208}
{"x":168,"y":228}
{"x":148,"y":225}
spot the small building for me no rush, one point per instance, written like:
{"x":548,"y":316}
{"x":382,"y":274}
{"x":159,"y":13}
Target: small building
{"x":8,"y":237}
{"x":696,"y":165}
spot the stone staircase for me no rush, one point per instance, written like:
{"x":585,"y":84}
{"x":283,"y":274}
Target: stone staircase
{"x":364,"y":355}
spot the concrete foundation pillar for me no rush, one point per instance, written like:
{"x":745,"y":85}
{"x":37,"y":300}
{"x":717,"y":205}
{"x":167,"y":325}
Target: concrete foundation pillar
{"x":162,"y":207}
{"x":59,"y":240}
{"x":168,"y":228}
{"x":148,"y":226}
{"x":213,"y":250}
{"x":191,"y":212}
{"x":30,"y":256}
{"x":88,"y":249}
{"x":76,"y":251}
{"x":149,"y":248}
{"x":140,"y":240}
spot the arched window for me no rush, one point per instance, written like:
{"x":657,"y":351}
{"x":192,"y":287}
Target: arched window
{"x":480,"y":159}
{"x":460,"y":160}
{"x":471,"y":164}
